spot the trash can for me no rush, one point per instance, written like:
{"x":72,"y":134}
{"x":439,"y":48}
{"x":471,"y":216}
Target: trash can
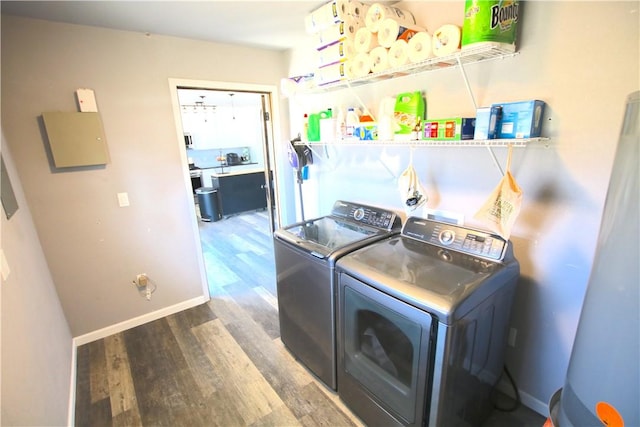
{"x":209,"y":206}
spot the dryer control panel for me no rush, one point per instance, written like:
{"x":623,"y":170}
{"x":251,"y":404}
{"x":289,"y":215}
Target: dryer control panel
{"x":369,"y":215}
{"x":462,"y":239}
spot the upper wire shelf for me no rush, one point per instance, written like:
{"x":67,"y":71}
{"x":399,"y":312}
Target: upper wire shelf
{"x":466,"y":56}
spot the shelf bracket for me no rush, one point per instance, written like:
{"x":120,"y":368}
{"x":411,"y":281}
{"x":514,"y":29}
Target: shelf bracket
{"x":365,"y":110}
{"x":475,"y":108}
{"x":466,"y":83}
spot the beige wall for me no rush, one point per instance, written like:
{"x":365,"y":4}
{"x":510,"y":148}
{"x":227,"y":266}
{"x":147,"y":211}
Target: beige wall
{"x":93,"y":247}
{"x":582,"y":59}
{"x":36,"y":341}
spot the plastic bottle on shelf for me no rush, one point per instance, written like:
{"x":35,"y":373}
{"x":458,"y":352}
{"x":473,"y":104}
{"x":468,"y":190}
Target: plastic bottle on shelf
{"x":327,"y":125}
{"x":341,"y":125}
{"x":313,"y":124}
{"x":305,"y":128}
{"x":351,"y":121}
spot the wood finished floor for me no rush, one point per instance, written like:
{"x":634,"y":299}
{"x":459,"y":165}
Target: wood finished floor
{"x":218,"y":364}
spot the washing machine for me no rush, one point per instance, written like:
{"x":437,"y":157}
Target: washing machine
{"x":422,"y":325}
{"x":305,"y":255}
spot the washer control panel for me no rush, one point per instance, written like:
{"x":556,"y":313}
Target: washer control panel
{"x":470,"y":241}
{"x":369,"y":215}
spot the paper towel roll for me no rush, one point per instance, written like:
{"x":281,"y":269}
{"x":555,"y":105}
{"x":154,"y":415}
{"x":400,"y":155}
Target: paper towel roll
{"x":446,"y":40}
{"x":326,"y":15}
{"x":332,"y":73}
{"x":398,"y":53}
{"x":378,"y":12}
{"x":337,"y":52}
{"x":358,"y":9}
{"x":365,"y":40}
{"x":349,"y":69}
{"x":344,"y":30}
{"x":342,"y":9}
{"x":360,"y":65}
{"x":391,"y":30}
{"x":420,"y":47}
{"x":379,"y":59}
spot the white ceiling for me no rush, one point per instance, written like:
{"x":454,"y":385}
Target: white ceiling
{"x":277,"y":25}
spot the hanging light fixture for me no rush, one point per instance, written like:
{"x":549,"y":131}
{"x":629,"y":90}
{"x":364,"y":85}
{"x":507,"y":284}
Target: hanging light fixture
{"x":199,"y":106}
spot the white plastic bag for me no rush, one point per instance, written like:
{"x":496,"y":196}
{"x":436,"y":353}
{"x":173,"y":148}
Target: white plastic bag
{"x":411,"y":191}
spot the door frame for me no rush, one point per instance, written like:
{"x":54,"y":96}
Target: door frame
{"x":270,"y":138}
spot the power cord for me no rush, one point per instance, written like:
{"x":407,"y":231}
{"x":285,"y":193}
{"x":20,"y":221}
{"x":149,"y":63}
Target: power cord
{"x":517,"y":402}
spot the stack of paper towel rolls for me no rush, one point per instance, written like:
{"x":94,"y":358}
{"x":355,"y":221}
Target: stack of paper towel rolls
{"x":422,"y":45}
{"x":355,"y":39}
{"x":335,"y":25}
{"x":327,"y":15}
{"x":378,"y":13}
{"x":383,"y":26}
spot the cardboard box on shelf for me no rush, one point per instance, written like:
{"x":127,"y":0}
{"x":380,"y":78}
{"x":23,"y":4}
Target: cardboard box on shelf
{"x":452,"y":129}
{"x":521,"y":119}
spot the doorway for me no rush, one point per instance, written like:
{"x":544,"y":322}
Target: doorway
{"x":226,"y":134}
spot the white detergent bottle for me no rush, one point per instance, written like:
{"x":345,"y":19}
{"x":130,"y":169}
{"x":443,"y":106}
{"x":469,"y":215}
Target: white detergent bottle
{"x":352,"y":121}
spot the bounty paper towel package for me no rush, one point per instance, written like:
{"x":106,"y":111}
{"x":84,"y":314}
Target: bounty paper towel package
{"x":521,"y":119}
{"x":491,"y":22}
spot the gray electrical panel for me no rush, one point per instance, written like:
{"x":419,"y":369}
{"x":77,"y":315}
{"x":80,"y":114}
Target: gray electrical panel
{"x":76,"y":139}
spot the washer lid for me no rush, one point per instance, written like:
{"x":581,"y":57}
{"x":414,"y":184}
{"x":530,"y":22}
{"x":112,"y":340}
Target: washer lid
{"x":325,"y":235}
{"x":429,"y":277}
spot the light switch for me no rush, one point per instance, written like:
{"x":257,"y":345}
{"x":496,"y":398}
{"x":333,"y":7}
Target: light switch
{"x":123,"y":199}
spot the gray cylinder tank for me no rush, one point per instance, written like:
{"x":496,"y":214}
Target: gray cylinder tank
{"x":603,"y":377}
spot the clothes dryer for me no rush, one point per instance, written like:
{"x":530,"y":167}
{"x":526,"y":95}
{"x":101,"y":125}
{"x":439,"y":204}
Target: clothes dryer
{"x":422,"y":325}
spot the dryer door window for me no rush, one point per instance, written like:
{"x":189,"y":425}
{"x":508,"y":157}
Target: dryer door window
{"x":386,"y":349}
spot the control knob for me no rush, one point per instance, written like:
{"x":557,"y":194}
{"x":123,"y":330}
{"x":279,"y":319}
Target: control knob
{"x":447,"y":237}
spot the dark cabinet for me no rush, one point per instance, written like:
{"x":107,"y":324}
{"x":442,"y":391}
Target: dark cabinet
{"x":241,"y":192}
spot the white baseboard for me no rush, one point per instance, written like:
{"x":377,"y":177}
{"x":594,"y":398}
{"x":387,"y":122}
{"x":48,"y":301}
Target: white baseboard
{"x":137,"y":321}
{"x":526,"y":399}
{"x":114,"y":329}
{"x":71,"y":415}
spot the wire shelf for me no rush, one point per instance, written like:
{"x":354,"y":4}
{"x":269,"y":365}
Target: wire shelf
{"x":466,"y":56}
{"x":520,"y":142}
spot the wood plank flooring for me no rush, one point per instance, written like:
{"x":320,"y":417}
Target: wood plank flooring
{"x":218,"y":364}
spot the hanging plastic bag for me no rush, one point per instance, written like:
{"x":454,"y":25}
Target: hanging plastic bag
{"x":501,"y":209}
{"x":411,"y":190}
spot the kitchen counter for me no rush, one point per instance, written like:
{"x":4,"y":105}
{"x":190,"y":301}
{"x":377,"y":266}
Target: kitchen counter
{"x":238,"y":190}
{"x":233,"y":171}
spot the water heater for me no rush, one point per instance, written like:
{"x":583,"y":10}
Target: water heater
{"x":603,"y":377}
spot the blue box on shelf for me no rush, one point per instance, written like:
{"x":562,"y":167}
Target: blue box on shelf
{"x":521,"y":119}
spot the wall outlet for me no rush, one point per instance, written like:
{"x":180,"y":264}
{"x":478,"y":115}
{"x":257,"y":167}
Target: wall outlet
{"x":513,"y":333}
